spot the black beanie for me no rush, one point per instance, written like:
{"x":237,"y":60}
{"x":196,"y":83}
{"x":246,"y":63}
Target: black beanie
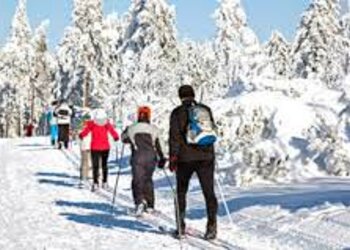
{"x":186,"y":91}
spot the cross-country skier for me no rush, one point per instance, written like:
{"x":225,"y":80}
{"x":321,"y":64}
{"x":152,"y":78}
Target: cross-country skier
{"x":146,"y":154}
{"x":99,"y":128}
{"x":63,"y":113}
{"x":85,"y":145}
{"x":188,"y":157}
{"x":52,"y":121}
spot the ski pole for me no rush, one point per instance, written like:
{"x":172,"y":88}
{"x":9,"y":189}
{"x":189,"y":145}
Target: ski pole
{"x":118,"y":175}
{"x":169,"y":182}
{"x":177,"y":207}
{"x":222,"y":194}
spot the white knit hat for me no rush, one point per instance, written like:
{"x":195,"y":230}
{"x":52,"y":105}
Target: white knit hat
{"x":100,"y":117}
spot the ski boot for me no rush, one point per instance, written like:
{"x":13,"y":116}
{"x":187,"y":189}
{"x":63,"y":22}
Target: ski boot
{"x":211,"y":232}
{"x":140,"y":208}
{"x":104,"y":185}
{"x":94,"y":187}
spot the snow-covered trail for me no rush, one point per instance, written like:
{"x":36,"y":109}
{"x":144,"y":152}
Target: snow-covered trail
{"x":42,"y":208}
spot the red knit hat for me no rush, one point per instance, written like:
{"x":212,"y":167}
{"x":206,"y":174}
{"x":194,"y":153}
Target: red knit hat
{"x":144,"y":113}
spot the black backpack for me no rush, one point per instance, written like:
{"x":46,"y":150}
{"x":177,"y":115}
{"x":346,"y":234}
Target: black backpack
{"x":63,"y":112}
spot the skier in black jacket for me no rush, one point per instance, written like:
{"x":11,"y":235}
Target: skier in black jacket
{"x":146,"y":154}
{"x":186,"y":159}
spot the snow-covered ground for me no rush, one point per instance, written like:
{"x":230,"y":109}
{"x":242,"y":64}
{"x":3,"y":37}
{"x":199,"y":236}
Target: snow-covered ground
{"x":41,"y":207}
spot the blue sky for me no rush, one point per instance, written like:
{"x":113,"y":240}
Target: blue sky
{"x":193,"y":16}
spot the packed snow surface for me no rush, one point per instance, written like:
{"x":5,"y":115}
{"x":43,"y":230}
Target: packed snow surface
{"x":42,"y":207}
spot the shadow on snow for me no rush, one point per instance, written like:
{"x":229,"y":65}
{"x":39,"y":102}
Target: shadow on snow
{"x":59,"y":175}
{"x":123,"y":164}
{"x":56,"y":182}
{"x":101,"y":216}
{"x":64,"y":180}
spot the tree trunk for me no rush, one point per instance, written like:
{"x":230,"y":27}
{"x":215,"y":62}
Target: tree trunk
{"x":32,"y":105}
{"x":86,"y":89}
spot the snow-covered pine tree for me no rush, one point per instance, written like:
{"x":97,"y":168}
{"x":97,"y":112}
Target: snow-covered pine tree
{"x":237,"y":47}
{"x":80,"y":57}
{"x":43,"y":70}
{"x":197,"y":67}
{"x":150,"y":51}
{"x":112,"y":36}
{"x":328,"y":146}
{"x":318,"y":50}
{"x":252,"y":149}
{"x":345,"y":25}
{"x":17,"y":65}
{"x":278,"y":52}
{"x":8,"y":105}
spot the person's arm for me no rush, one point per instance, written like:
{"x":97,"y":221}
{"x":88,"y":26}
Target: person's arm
{"x":175,"y":136}
{"x":125,"y":136}
{"x":55,"y":111}
{"x":86,"y":130}
{"x":112,"y":131}
{"x":70,"y":112}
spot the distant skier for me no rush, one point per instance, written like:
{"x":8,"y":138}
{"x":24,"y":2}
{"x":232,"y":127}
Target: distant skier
{"x":52,"y":121}
{"x":192,"y":151}
{"x":29,"y":129}
{"x":63,"y":113}
{"x":146,"y":154}
{"x":99,"y":128}
{"x":85,"y":145}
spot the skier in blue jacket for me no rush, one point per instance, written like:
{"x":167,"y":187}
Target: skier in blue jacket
{"x":52,"y":121}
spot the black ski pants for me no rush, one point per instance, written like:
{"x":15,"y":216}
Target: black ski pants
{"x":205,"y":173}
{"x":63,"y":135}
{"x":99,"y":157}
{"x":142,"y":183}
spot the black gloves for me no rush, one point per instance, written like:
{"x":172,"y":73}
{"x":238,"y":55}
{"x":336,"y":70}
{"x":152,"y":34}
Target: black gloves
{"x":161,"y":163}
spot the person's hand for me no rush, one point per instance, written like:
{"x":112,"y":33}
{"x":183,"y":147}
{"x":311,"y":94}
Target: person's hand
{"x":161,"y":163}
{"x":173,"y":163}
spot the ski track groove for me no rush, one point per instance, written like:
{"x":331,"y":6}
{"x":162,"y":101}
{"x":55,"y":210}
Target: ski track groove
{"x":263,"y":228}
{"x":195,"y":241}
{"x":259,"y":226}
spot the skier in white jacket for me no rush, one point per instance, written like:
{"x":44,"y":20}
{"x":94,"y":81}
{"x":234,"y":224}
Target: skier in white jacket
{"x":63,"y":113}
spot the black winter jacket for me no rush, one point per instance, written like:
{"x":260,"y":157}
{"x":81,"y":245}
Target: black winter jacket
{"x":177,"y":137}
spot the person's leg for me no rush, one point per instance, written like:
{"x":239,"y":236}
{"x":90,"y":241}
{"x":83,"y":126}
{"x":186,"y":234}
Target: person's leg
{"x":205,"y":172}
{"x":89,"y":164}
{"x":53,"y":134}
{"x":60,"y":136}
{"x":95,"y":165}
{"x":183,"y":176}
{"x":66,"y":136}
{"x":104,"y":155}
{"x":55,"y":137}
{"x":149,"y":188}
{"x":84,"y":164}
{"x":138,"y":173}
